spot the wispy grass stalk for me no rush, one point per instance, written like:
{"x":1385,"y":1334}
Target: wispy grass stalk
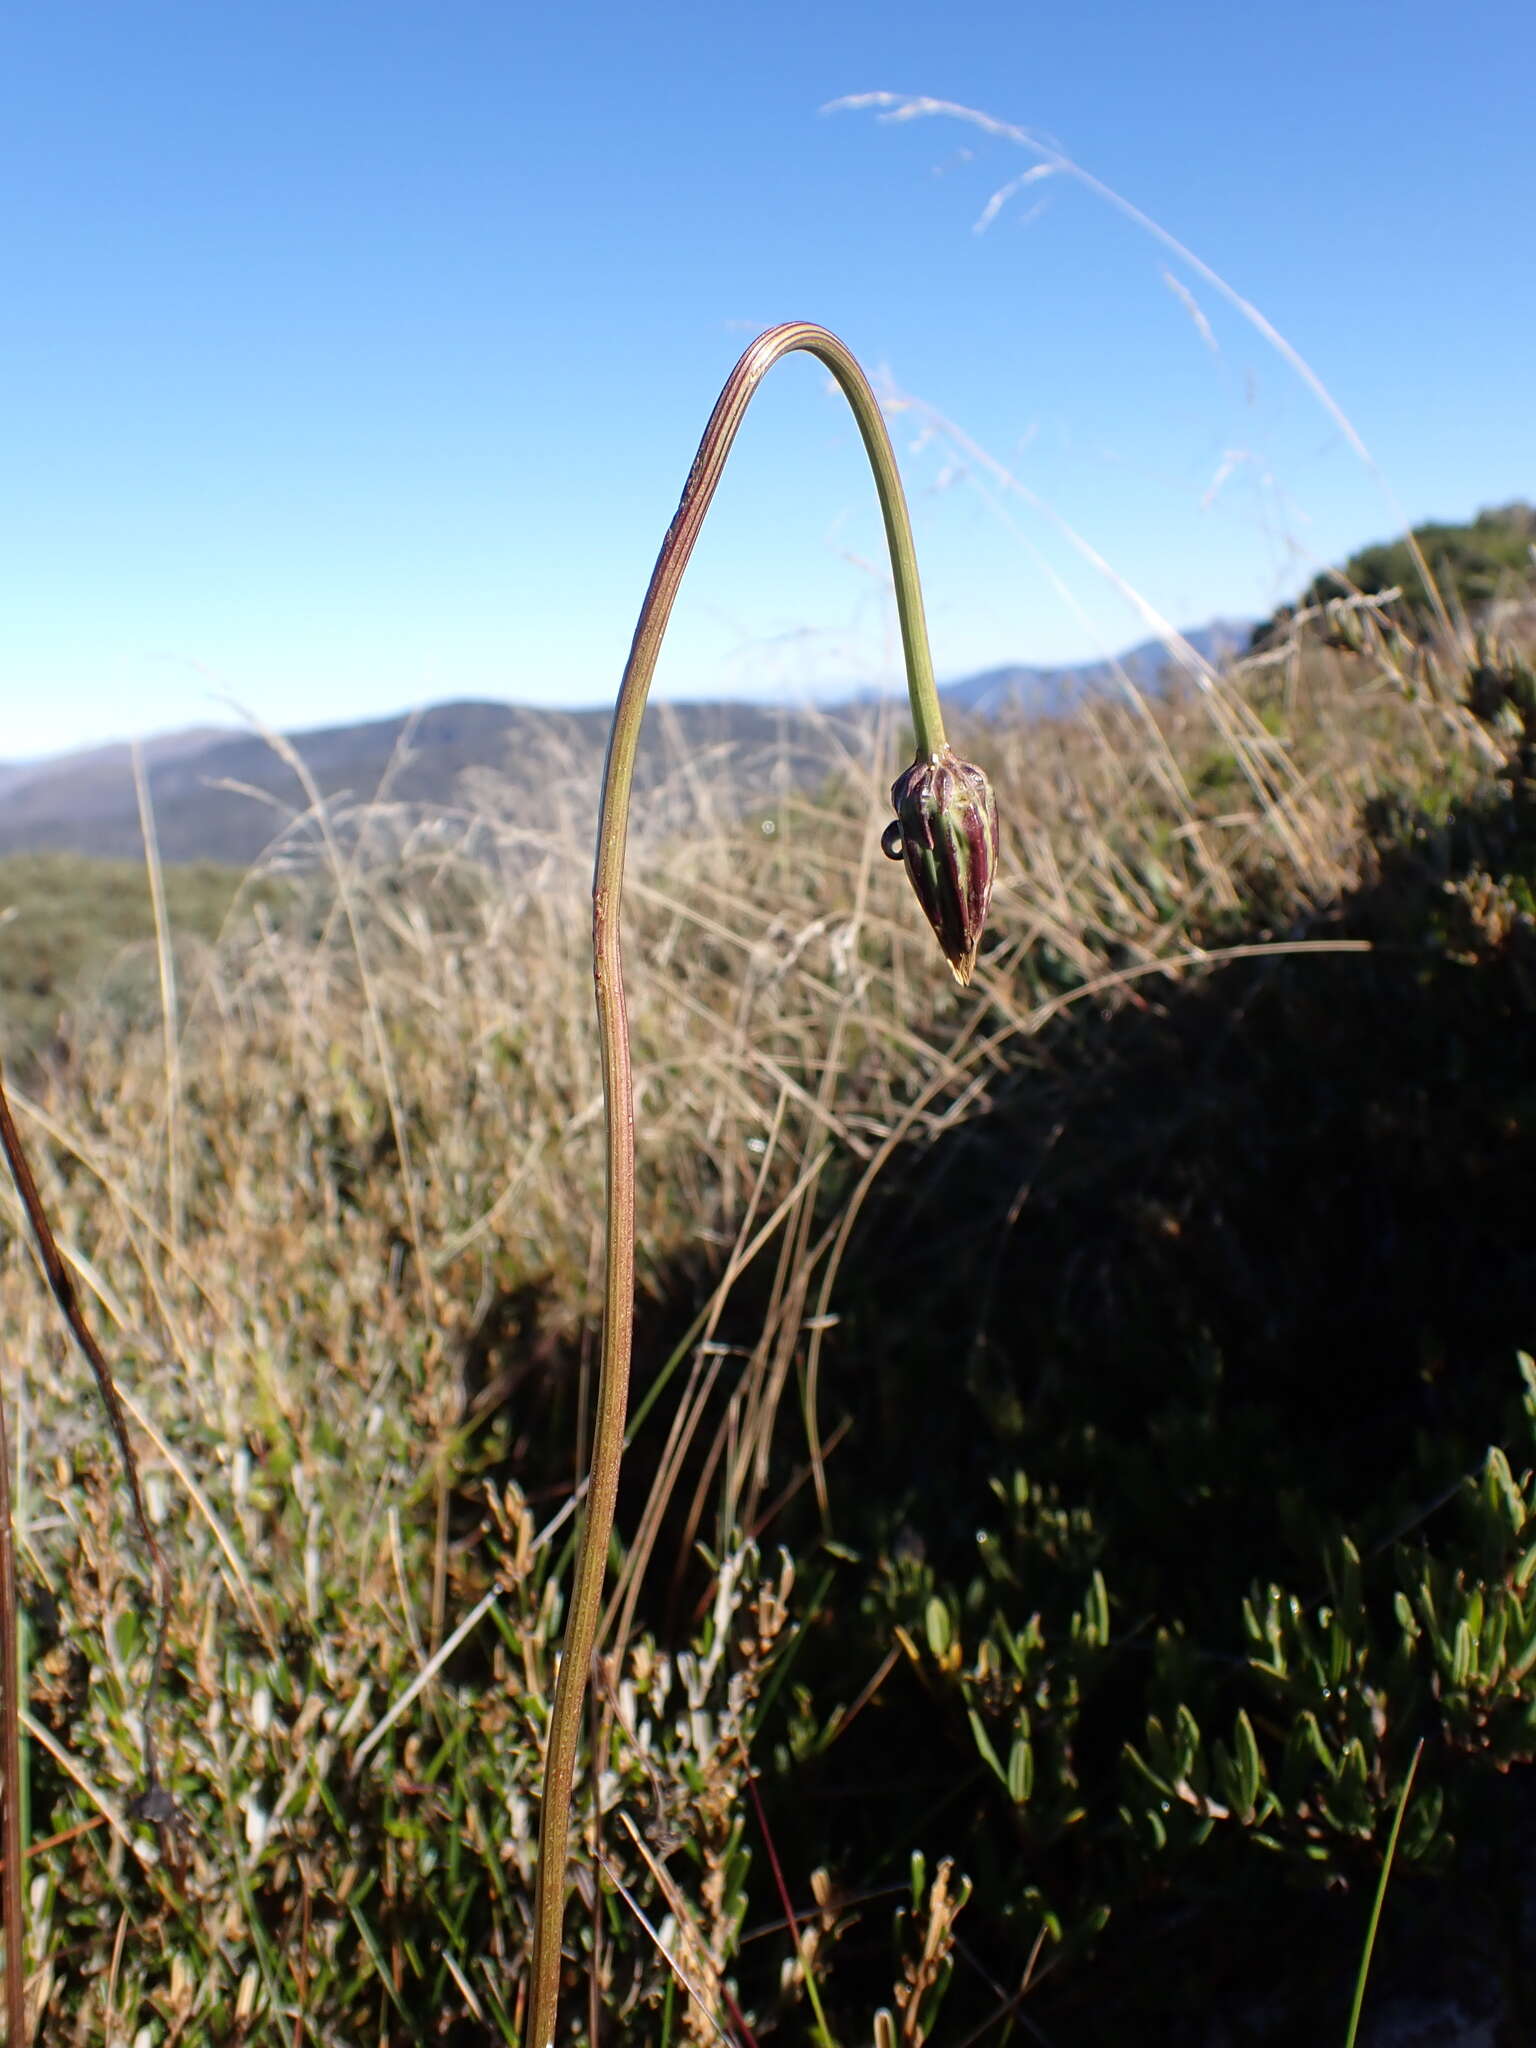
{"x":1363,"y":1973}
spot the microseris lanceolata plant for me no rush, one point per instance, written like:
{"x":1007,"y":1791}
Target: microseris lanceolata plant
{"x":948,"y":837}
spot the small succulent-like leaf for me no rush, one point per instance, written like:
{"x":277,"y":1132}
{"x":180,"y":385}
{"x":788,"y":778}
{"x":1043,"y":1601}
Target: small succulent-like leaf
{"x":936,"y":1626}
{"x":1493,"y":1633}
{"x":1248,"y":1764}
{"x":1188,"y":1740}
{"x":1501,"y":1491}
{"x":1522,"y":1663}
{"x":1339,"y":1648}
{"x":1306,"y":1740}
{"x":1096,"y":1613}
{"x":1474,"y":1612}
{"x":985,"y":1750}
{"x":1461,"y":1655}
{"x":1021,"y":1770}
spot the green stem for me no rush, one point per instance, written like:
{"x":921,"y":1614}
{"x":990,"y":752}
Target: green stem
{"x":613,"y":1027}
{"x":1364,"y":1971}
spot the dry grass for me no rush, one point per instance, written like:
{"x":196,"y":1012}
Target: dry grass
{"x":338,"y":1224}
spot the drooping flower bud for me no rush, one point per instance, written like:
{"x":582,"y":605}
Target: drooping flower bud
{"x":945,"y":829}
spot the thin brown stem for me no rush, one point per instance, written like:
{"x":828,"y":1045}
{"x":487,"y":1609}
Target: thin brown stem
{"x":155,"y":1805}
{"x":12,"y":1894}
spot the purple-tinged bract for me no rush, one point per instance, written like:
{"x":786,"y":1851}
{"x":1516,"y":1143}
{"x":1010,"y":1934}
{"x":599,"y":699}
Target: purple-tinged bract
{"x":946,"y":832}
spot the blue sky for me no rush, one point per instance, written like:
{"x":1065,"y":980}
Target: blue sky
{"x":355,"y":355}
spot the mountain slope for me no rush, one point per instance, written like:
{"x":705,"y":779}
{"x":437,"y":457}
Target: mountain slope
{"x":226,"y":795}
{"x":1047,"y":692}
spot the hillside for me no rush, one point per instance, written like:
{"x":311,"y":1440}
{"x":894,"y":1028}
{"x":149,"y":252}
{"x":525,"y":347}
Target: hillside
{"x":1482,"y":571}
{"x":1049,"y":692}
{"x":224,"y":796}
{"x":229,"y":797}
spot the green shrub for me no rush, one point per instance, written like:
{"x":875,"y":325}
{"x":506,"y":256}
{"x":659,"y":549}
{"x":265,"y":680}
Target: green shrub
{"x":1472,"y":564}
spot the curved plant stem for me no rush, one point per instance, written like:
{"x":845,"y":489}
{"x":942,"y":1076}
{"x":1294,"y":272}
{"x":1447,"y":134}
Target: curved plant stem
{"x":155,"y":1803}
{"x":1364,"y":1971}
{"x":12,"y":1894}
{"x":607,"y":888}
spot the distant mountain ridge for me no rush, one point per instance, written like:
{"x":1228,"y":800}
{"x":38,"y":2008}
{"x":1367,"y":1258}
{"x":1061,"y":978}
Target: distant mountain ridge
{"x":1047,"y":692}
{"x":222,"y":794}
{"x":110,"y":762}
{"x":228,"y":798}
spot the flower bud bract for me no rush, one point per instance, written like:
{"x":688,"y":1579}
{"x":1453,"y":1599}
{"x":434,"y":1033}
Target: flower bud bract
{"x":946,"y":832}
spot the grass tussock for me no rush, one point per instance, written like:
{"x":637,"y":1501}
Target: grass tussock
{"x":981,"y":1546}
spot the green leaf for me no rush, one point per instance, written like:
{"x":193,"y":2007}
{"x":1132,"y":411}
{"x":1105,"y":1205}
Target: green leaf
{"x":1021,"y":1770}
{"x":1159,"y":1783}
{"x":983,"y":1742}
{"x":1187,"y":1741}
{"x":127,"y":1634}
{"x":1461,"y":1655}
{"x":936,"y":1626}
{"x":1345,"y":1573}
{"x":1474,"y":1613}
{"x":1339,"y":1648}
{"x":1521,"y":1665}
{"x":1501,"y":1491}
{"x":1307,"y":1738}
{"x":1164,"y":1767}
{"x":1527,"y":1367}
{"x":1096,"y":1612}
{"x":1248,"y":1763}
